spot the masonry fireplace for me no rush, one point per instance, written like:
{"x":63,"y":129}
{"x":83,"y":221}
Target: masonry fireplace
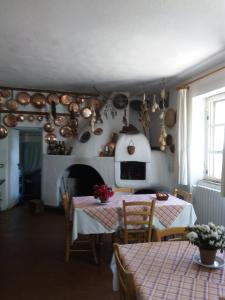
{"x":132,"y":170}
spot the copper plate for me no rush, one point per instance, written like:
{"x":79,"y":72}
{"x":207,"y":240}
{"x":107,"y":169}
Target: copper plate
{"x":20,"y":118}
{"x":5,"y":93}
{"x":30,"y":118}
{"x":38,"y":100}
{"x":11,"y":105}
{"x":60,"y":121}
{"x":66,"y":99}
{"x":10,"y":120}
{"x":23,"y":98}
{"x":49,"y":127}
{"x":66,"y":131}
{"x":85,"y":137}
{"x":53,"y":98}
{"x":120,"y":101}
{"x":98,"y":131}
{"x":73,"y":107}
{"x":50,"y":138}
{"x":86,"y":112}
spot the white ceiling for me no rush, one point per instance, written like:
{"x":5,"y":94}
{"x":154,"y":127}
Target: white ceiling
{"x":114,"y":44}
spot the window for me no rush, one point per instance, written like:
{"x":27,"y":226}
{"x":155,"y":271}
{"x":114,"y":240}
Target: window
{"x":215,"y":116}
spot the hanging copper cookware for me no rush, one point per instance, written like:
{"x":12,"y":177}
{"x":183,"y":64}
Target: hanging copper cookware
{"x":38,"y":100}
{"x":11,"y":105}
{"x":49,"y":127}
{"x":20,"y":118}
{"x":10,"y":120}
{"x":86,"y":112}
{"x":74,"y":107}
{"x":98,"y":131}
{"x":30,"y":118}
{"x":66,"y":99}
{"x":40,"y":118}
{"x":23,"y":98}
{"x":66,"y":131}
{"x":50,"y":138}
{"x":53,"y":98}
{"x":3,"y":130}
{"x":5,"y":93}
{"x":60,"y":121}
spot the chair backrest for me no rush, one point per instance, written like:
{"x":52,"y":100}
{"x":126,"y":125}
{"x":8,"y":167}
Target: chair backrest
{"x":179,"y":193}
{"x":138,"y":214}
{"x":66,"y":206}
{"x":126,"y":281}
{"x":171,"y":234}
{"x":123,"y":190}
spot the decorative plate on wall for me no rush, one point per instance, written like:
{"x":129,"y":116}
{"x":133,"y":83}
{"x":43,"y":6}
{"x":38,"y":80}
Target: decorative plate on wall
{"x":120,"y":101}
{"x":23,"y":98}
{"x":38,"y":100}
{"x":53,"y":98}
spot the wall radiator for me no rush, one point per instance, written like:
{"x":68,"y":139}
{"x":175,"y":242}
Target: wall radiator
{"x":208,"y":205}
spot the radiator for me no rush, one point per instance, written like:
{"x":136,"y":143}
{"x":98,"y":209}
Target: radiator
{"x":209,"y":206}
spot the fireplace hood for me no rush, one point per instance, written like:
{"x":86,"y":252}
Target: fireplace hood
{"x":133,"y":169}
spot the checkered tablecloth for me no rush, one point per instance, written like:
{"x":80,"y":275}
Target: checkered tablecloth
{"x":166,"y":270}
{"x":110,"y":214}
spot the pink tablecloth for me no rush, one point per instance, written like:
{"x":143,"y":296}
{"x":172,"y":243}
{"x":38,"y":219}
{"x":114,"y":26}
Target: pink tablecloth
{"x":166,"y":270}
{"x":109,"y":214}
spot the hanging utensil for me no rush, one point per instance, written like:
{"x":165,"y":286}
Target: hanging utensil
{"x":3,"y":130}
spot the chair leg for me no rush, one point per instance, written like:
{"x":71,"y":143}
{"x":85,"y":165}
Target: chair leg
{"x":67,"y":256}
{"x":93,"y":246}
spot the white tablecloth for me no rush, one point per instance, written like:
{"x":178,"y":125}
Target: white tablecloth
{"x":85,"y":224}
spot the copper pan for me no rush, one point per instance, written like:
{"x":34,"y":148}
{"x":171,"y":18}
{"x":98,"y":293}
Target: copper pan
{"x":66,"y":99}
{"x":38,"y":100}
{"x":3,"y":132}
{"x":60,"y":121}
{"x":30,"y":118}
{"x":20,"y":118}
{"x":53,"y":98}
{"x":10,"y":120}
{"x":23,"y":98}
{"x":98,"y":131}
{"x":49,"y":127}
{"x":50,"y":138}
{"x":86,"y":112}
{"x":5,"y":93}
{"x":66,"y":131}
{"x":11,"y":105}
{"x":74,"y":107}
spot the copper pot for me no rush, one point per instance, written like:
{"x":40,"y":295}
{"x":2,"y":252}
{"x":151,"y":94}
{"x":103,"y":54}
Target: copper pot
{"x":49,"y":127}
{"x":3,"y":132}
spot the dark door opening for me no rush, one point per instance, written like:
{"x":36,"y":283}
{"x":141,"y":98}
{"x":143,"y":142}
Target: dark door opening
{"x":81,"y":179}
{"x":30,"y":164}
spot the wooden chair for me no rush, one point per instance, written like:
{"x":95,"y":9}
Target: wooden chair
{"x":126,"y":281}
{"x":179,"y":193}
{"x":123,"y":190}
{"x":85,"y":245}
{"x":171,"y":234}
{"x":138,"y":216}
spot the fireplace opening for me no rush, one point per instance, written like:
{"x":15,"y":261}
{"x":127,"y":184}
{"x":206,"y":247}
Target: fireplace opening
{"x":81,"y":178}
{"x":132,"y":170}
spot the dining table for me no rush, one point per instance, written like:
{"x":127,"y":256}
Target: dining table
{"x":170,"y":270}
{"x":91,"y":217}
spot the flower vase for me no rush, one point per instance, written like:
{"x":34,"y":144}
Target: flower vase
{"x":207,"y":256}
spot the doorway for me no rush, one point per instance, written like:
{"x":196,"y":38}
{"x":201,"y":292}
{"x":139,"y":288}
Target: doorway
{"x":30,"y":164}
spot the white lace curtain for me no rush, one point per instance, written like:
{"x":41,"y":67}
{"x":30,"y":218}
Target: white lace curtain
{"x":223,"y":170}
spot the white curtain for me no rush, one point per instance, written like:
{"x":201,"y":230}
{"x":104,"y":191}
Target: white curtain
{"x":182,"y":151}
{"x":223,"y":170}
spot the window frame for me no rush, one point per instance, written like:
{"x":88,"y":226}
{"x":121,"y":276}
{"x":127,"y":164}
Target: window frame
{"x":210,"y":134}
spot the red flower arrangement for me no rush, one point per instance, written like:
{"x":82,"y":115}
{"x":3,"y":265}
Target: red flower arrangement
{"x":103,"y":192}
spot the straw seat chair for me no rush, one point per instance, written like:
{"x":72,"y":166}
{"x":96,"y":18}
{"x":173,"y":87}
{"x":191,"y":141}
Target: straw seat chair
{"x":171,"y":234}
{"x":126,"y":281}
{"x":123,"y":190}
{"x":84,"y":244}
{"x":137,"y":219}
{"x":179,"y":193}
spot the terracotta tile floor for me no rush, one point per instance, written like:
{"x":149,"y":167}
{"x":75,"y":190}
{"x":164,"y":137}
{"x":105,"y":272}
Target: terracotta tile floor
{"x":32,"y":263}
